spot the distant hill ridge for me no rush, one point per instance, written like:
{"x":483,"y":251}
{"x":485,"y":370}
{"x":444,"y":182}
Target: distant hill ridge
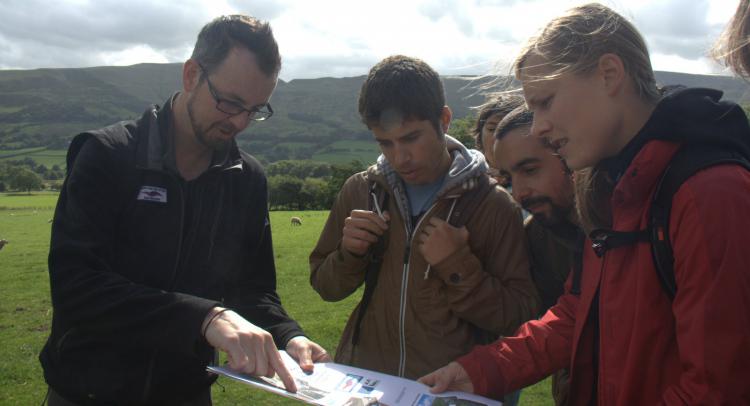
{"x":315,"y":118}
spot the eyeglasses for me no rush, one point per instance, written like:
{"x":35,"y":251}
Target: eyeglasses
{"x":258,"y":113}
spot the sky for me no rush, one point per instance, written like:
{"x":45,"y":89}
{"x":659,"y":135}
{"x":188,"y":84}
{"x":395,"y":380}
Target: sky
{"x":340,"y":38}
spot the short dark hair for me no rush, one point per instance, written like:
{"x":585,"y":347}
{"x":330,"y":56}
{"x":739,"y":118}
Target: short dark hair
{"x":520,"y":117}
{"x":502,"y":104}
{"x":405,"y":86}
{"x":222,"y":34}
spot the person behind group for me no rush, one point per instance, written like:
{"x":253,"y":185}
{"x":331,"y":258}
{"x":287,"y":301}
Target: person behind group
{"x":588,"y":80}
{"x":490,"y":114}
{"x":161,"y":248}
{"x":734,"y":45}
{"x":440,"y":288}
{"x":543,"y":186}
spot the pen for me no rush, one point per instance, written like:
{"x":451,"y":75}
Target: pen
{"x":377,"y":206}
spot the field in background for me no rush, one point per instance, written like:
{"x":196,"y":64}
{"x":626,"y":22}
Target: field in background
{"x":25,"y":309}
{"x":41,"y":155}
{"x":341,"y":152}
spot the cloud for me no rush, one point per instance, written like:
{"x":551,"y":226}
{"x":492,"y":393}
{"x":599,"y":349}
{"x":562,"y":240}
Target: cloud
{"x":264,"y":10}
{"x":311,"y":66}
{"x":334,"y":37}
{"x":677,"y":27}
{"x":38,"y":33}
{"x":451,"y":11}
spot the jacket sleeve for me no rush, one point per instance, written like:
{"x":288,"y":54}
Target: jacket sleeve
{"x":86,"y":291}
{"x":709,"y":226}
{"x":335,"y":272}
{"x":488,"y":282}
{"x":255,"y":297}
{"x":539,"y":348}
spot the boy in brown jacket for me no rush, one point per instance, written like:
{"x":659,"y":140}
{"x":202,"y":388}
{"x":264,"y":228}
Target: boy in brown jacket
{"x":438,"y":287}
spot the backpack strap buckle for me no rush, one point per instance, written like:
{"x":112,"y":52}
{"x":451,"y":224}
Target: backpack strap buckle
{"x":603,"y":240}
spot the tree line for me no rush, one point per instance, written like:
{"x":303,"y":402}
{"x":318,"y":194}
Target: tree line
{"x":25,"y":175}
{"x":307,"y":185}
{"x":292,"y":184}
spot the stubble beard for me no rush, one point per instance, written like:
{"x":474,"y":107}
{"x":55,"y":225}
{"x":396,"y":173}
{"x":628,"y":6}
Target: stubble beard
{"x":200,"y":133}
{"x":557,"y":214}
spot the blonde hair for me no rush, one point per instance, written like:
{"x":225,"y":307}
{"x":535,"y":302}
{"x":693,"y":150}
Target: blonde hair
{"x":734,"y":44}
{"x":574,"y":42}
{"x":593,"y":190}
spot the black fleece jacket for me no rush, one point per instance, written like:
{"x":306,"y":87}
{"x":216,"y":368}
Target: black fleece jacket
{"x":139,"y":256}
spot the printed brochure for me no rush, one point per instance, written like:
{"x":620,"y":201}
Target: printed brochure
{"x":333,"y":384}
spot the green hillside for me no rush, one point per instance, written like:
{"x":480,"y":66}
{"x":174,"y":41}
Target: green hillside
{"x":45,"y":107}
{"x":40,"y":110}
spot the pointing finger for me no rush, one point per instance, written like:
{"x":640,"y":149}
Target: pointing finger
{"x":280,"y":368}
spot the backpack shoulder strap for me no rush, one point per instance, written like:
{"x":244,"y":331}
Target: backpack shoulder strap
{"x":74,"y":148}
{"x":469,"y":202}
{"x":377,"y":200}
{"x":577,"y":264}
{"x":688,"y":160}
{"x":466,"y":205}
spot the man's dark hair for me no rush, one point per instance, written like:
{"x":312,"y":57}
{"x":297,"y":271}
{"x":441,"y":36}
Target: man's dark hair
{"x":501,"y":104}
{"x":222,"y":34}
{"x":520,"y":117}
{"x":404,"y":86}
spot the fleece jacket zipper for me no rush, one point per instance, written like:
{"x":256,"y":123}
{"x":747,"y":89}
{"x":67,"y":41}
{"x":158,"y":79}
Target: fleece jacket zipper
{"x":152,"y":361}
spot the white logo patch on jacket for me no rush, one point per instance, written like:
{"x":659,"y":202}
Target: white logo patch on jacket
{"x":153,"y":194}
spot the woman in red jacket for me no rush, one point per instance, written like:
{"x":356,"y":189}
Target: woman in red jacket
{"x":588,"y":79}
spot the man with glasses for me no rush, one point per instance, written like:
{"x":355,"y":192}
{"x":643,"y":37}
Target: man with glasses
{"x":161,"y":246}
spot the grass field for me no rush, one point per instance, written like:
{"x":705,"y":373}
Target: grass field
{"x":44,"y":156}
{"x":12,"y":153}
{"x":25,"y":309}
{"x":347,"y":151}
{"x":340,"y":152}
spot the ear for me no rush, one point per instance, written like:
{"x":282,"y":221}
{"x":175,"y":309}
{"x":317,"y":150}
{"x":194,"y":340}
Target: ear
{"x":191,"y":74}
{"x":612,"y":72}
{"x":445,"y":118}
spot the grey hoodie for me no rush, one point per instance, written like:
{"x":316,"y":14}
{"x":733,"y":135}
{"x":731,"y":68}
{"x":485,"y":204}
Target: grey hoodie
{"x":467,"y":165}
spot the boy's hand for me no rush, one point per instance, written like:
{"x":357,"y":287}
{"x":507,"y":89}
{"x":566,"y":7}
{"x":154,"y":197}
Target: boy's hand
{"x":362,"y":229}
{"x":440,"y":239}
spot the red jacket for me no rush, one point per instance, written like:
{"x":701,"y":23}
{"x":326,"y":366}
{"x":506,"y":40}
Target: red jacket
{"x":695,"y":350}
